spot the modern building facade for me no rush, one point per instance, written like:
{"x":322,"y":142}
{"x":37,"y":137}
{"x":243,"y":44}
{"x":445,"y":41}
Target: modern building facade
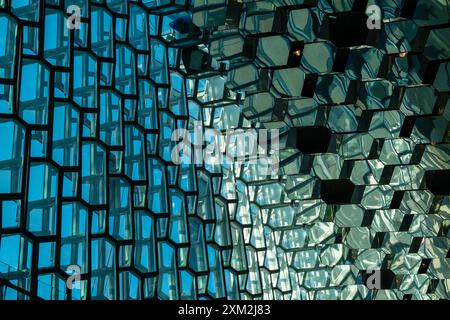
{"x":353,"y":96}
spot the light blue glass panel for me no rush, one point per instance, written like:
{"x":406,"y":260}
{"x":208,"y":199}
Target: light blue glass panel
{"x":11,"y":156}
{"x":42,"y":199}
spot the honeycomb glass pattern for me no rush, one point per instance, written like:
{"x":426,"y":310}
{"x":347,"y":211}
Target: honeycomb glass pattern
{"x":88,"y":186}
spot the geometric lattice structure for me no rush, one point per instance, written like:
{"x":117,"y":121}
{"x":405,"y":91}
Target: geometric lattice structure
{"x":87,"y":179}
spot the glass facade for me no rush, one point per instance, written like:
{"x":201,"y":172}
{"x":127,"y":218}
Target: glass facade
{"x":93,"y":205}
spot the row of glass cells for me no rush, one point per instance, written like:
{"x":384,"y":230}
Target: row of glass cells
{"x":16,"y":256}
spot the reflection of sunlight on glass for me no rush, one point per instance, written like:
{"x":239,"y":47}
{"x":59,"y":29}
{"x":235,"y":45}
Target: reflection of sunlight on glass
{"x":211,"y":89}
